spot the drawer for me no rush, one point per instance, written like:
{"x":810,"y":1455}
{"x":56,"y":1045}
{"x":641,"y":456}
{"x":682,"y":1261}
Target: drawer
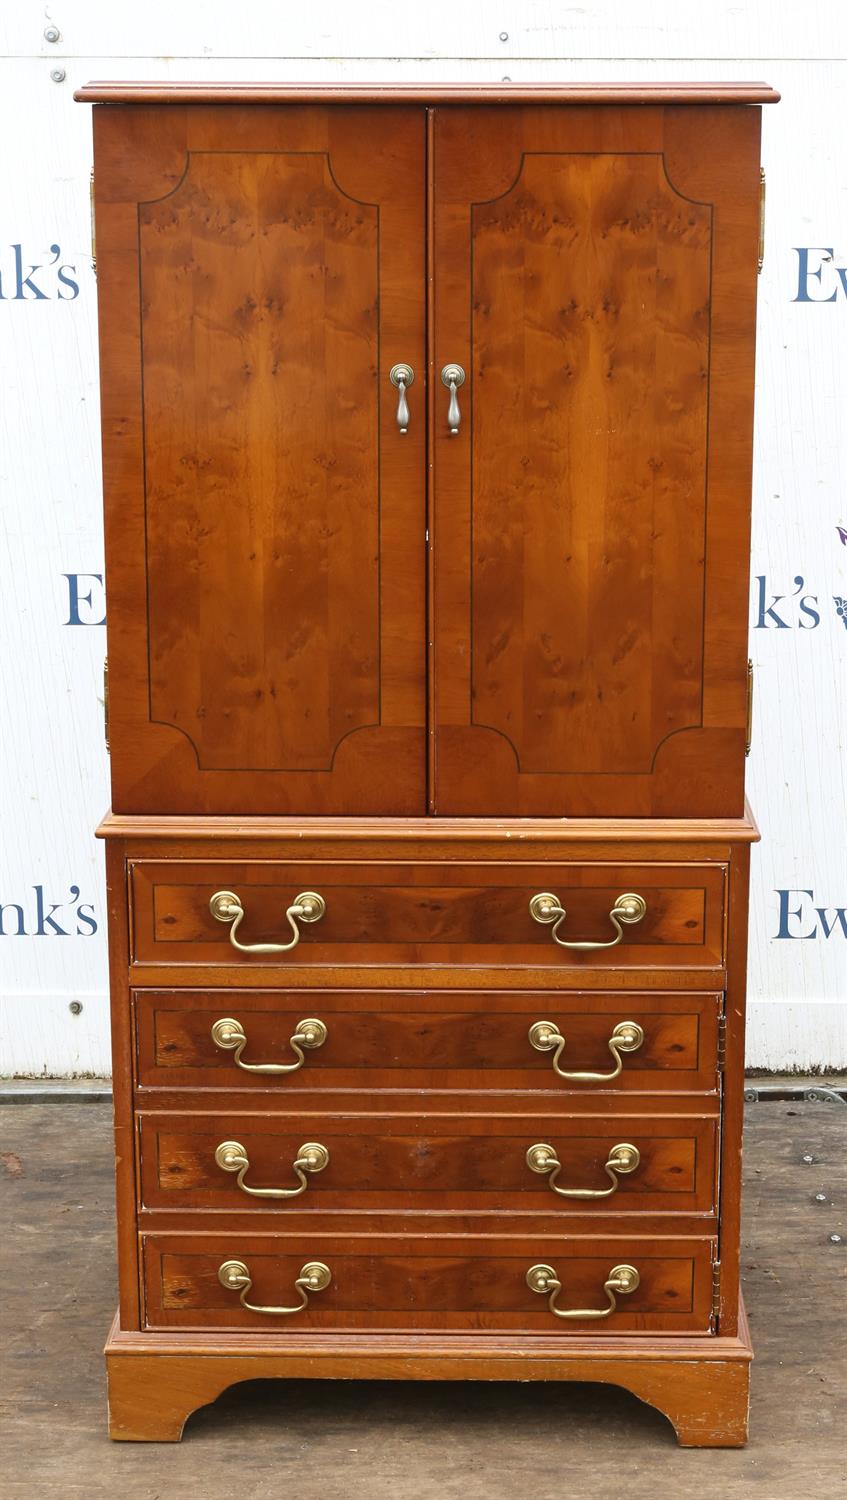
{"x":419,"y":913}
{"x":435,"y":1282}
{"x":394,"y":1039}
{"x":461,"y":1162}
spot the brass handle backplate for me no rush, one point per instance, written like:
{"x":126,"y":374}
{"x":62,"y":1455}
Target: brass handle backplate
{"x":230,"y":1036}
{"x":621,"y":1280}
{"x":230,"y":1156}
{"x":225,"y":906}
{"x":622,"y":1159}
{"x":627,"y":1036}
{"x":314,"y":1277}
{"x":547,"y":908}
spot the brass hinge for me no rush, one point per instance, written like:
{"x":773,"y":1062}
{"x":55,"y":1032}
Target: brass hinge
{"x":106,"y":702}
{"x":721,"y":1043}
{"x":716,"y":1290}
{"x":749,"y":738}
{"x":761,"y":217}
{"x":93,"y":228}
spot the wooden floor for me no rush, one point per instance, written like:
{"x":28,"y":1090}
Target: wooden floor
{"x":332,"y":1441}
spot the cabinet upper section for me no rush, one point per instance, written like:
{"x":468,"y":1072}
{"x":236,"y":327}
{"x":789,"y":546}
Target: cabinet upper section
{"x":347,"y":346}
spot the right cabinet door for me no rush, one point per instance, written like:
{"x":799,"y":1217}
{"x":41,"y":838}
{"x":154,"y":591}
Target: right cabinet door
{"x":595,"y":276}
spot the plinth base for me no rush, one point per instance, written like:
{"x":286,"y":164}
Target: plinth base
{"x":156,"y":1380}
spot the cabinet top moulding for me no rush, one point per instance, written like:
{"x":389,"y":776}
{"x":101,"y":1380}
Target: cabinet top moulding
{"x":108,"y":92}
{"x":687,"y":830}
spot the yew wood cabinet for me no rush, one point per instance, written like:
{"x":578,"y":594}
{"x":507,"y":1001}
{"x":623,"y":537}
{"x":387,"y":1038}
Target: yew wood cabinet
{"x":427,"y":426}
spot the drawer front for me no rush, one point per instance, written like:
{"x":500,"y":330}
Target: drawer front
{"x":437,"y":1282}
{"x":623,"y":1164}
{"x":418,"y":913}
{"x":424,"y":1039}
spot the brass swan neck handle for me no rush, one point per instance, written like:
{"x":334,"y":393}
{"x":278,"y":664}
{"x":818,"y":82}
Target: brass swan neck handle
{"x":231,"y":1156}
{"x":547,"y":908}
{"x":235,"y":1277}
{"x":627,"y":1036}
{"x":622,"y":1159}
{"x":620,"y":1281}
{"x":230,"y":1036}
{"x":225,"y":906}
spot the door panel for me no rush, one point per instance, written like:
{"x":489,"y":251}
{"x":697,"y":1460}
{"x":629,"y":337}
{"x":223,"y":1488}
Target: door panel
{"x":265,"y":516}
{"x":595,"y":277}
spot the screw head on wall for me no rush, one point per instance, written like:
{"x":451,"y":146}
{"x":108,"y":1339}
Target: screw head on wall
{"x":75,"y":1007}
{"x":57,"y":75}
{"x":51,"y":33}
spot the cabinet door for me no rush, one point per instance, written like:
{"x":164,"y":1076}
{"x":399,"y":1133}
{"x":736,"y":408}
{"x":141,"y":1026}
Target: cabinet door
{"x":260,"y":272}
{"x":595,"y":274}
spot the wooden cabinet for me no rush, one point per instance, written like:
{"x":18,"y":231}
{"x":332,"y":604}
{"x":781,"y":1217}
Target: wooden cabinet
{"x":427,"y":424}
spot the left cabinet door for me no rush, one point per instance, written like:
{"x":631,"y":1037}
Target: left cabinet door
{"x":260,"y":271}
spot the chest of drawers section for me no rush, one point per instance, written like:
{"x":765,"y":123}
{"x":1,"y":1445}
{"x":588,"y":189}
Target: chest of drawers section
{"x":467,"y":1124}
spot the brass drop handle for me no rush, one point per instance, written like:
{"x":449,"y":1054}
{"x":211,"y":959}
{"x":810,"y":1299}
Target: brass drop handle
{"x":546,"y":908}
{"x":627,"y":1036}
{"x":453,"y":376}
{"x":622,"y":1159}
{"x":314,"y":1277}
{"x":225,"y":906}
{"x":401,"y":377}
{"x":621,"y":1280}
{"x":230,"y":1156}
{"x":230,"y":1036}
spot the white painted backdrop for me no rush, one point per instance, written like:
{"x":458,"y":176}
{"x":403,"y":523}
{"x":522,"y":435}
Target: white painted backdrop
{"x":55,"y":777}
